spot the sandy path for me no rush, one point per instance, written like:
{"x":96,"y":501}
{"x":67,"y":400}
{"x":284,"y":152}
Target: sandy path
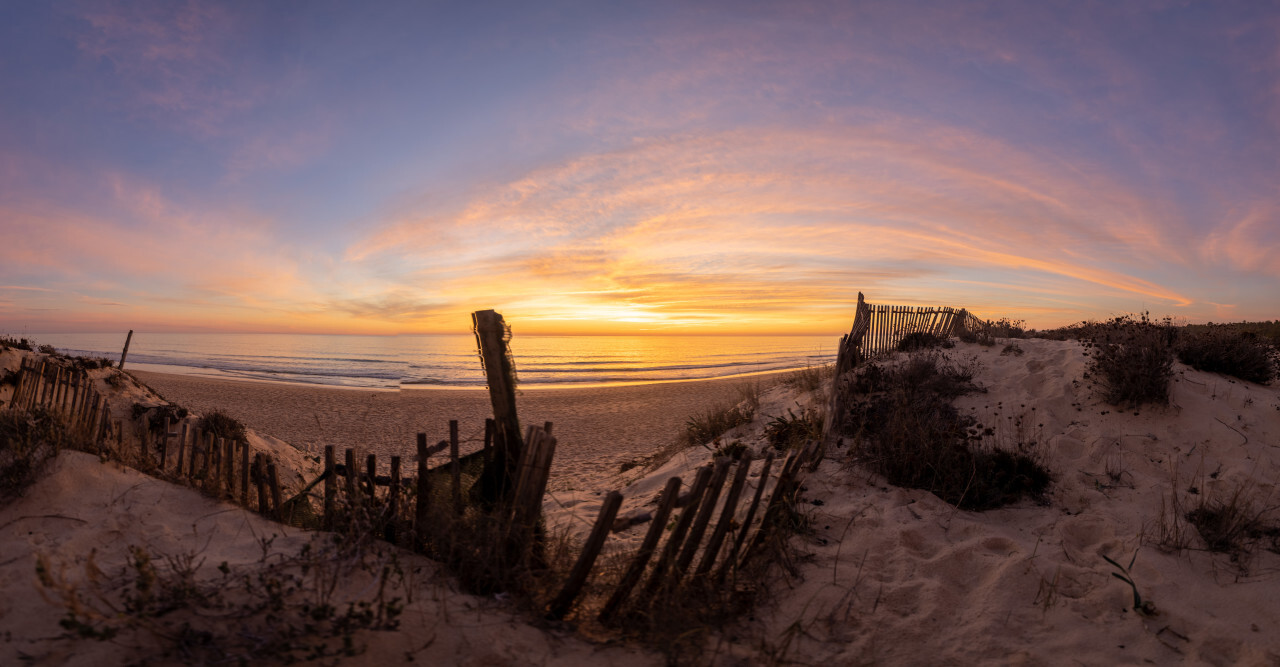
{"x":598,"y":429}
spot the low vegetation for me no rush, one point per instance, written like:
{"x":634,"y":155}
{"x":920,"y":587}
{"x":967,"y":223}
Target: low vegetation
{"x":704,"y":427}
{"x":1226,"y":349}
{"x":810,"y":378}
{"x":1131,"y":359}
{"x":11,"y":343}
{"x":28,"y":441}
{"x":791,"y":431}
{"x":904,"y":427}
{"x":222,"y":425}
{"x":922,"y":340}
{"x":283,"y":608}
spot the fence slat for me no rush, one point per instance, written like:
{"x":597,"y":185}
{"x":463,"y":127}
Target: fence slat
{"x":670,"y":493}
{"x":330,"y":486}
{"x":563,"y":602}
{"x":731,"y":559}
{"x":672,"y":548}
{"x":726,"y":516}
{"x":705,"y":512}
{"x":424,"y":492}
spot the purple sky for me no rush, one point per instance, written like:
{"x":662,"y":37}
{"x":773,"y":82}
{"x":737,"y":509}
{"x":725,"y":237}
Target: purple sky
{"x":651,"y":167}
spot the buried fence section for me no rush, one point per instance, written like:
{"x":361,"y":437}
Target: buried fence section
{"x":669,"y":576}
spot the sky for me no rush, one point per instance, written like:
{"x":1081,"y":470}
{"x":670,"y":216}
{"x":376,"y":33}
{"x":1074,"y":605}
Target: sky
{"x":736,"y":167}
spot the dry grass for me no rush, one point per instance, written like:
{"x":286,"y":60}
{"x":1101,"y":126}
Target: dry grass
{"x":810,"y":378}
{"x":704,"y":427}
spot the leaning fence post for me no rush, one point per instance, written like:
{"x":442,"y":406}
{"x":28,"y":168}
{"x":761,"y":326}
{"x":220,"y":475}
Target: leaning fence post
{"x":578,"y":576}
{"x":672,"y":548}
{"x":124,"y":353}
{"x":273,"y":477}
{"x":244,"y":473}
{"x":330,"y":486}
{"x":730,"y":560}
{"x":393,"y":501}
{"x":455,"y":468}
{"x":182,"y":448}
{"x":353,"y":498}
{"x":371,"y":470}
{"x":670,"y":494}
{"x":424,"y":493}
{"x":726,"y":516}
{"x":705,"y":512}
{"x":260,"y":474}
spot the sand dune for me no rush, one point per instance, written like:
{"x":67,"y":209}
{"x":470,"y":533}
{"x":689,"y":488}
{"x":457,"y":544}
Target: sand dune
{"x":892,"y":576}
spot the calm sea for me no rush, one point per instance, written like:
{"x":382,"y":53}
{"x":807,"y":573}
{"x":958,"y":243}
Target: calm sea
{"x":451,"y":361}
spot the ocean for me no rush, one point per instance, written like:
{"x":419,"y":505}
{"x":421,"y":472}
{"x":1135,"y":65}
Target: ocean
{"x":451,"y":361}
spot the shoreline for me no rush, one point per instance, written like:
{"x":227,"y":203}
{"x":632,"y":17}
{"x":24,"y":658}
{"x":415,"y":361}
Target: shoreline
{"x":598,"y":429}
{"x":221,"y":375}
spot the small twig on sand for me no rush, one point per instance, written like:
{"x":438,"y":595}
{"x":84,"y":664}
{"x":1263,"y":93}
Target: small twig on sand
{"x":1246,"y":438}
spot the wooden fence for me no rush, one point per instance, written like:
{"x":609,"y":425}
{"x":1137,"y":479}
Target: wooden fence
{"x":883,"y":327}
{"x":717,"y":532}
{"x":878,"y":330}
{"x":64,"y":389}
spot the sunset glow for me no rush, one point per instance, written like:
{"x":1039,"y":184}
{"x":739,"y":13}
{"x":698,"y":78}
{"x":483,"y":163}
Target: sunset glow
{"x":646,"y":168}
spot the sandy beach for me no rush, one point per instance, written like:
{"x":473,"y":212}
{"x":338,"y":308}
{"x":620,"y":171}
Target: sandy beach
{"x":886,"y":575}
{"x":597,"y":428}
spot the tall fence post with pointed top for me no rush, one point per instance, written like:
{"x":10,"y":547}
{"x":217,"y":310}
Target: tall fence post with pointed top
{"x":125,"y":352}
{"x":498,"y":477}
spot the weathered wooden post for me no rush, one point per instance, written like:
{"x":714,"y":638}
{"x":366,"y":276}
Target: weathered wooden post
{"x":393,"y":501}
{"x":670,"y":494}
{"x":260,"y":474}
{"x":277,"y":505}
{"x":182,"y":448}
{"x":244,"y":473}
{"x":164,"y":443}
{"x":726,"y":516}
{"x":125,"y":352}
{"x":424,"y":493}
{"x":497,"y":480}
{"x":352,"y":474}
{"x":371,"y":471}
{"x":330,"y":486}
{"x":455,"y":467}
{"x":581,"y":569}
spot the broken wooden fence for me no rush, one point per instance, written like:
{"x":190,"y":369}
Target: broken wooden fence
{"x":720,"y":535}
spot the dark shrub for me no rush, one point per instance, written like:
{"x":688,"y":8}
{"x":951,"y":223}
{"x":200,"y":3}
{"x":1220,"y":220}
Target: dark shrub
{"x":9,"y":343}
{"x":905,"y":428}
{"x":222,"y":425}
{"x":1131,"y":359}
{"x":921,"y":340}
{"x":1007,"y":328}
{"x":792,"y":430}
{"x":1224,"y":349}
